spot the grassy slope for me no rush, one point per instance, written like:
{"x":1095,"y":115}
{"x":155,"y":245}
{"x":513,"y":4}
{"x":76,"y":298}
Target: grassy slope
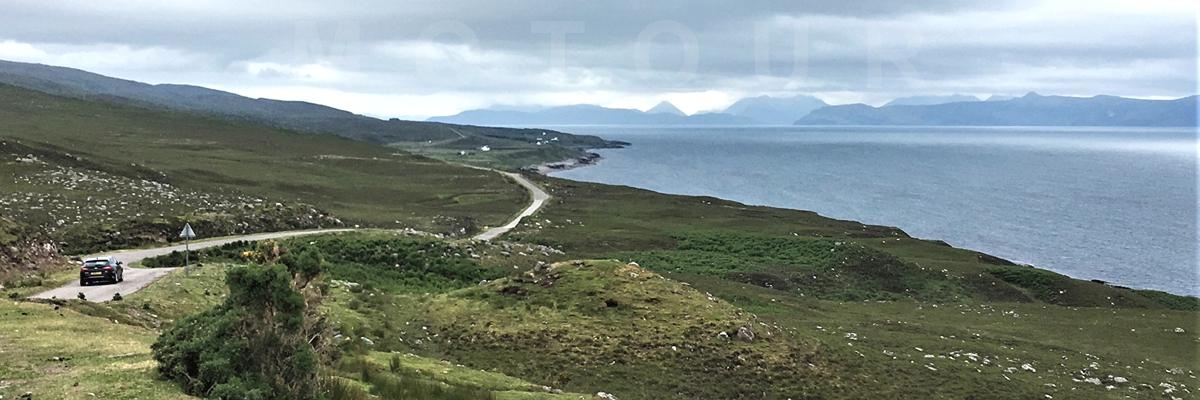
{"x":608,"y":326}
{"x":103,"y":359}
{"x":420,"y":136}
{"x":108,"y":341}
{"x":357,"y":182}
{"x":951,"y":301}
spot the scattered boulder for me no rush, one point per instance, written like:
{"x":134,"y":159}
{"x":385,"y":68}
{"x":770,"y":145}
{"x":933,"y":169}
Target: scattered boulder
{"x":606,"y":396}
{"x":745,"y":334}
{"x":367,"y":341}
{"x":723,"y":336}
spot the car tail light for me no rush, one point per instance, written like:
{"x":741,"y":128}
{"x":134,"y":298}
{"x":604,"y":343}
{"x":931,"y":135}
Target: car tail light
{"x":108,"y":268}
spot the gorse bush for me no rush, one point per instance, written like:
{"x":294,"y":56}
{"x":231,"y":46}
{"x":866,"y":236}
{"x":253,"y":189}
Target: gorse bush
{"x":261,"y":343}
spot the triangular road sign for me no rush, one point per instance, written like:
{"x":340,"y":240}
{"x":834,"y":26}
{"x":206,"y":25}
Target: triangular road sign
{"x":187,"y":233}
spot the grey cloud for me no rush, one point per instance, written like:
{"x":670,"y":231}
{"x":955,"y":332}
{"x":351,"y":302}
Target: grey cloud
{"x":382,"y":47}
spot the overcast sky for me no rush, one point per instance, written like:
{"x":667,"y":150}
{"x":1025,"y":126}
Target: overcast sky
{"x":415,"y":59}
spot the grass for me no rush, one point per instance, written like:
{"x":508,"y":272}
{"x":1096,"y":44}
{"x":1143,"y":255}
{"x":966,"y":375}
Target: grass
{"x":892,"y":345}
{"x":495,"y":385}
{"x":62,"y":354}
{"x":22,"y":283}
{"x":179,"y":165}
{"x":178,"y":294}
{"x":462,"y":323}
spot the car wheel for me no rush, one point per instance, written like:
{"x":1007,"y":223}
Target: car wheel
{"x":121,"y":278}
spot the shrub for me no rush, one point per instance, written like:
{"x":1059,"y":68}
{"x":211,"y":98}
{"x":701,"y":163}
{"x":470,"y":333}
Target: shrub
{"x":259,"y":344}
{"x":117,"y":297}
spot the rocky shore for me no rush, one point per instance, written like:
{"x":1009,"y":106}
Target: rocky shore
{"x":570,"y":163}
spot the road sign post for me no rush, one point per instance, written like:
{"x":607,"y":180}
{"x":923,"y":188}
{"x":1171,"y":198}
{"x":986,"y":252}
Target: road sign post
{"x":187,"y":236}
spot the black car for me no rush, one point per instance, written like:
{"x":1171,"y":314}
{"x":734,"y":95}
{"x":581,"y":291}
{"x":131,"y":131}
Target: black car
{"x":103,"y":269}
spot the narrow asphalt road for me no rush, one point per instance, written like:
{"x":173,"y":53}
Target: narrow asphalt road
{"x":138,"y":278}
{"x":538,"y":196}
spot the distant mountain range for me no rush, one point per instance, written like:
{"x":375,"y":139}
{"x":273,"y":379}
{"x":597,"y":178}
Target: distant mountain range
{"x":1032,"y":109}
{"x":761,"y":110}
{"x":930,"y":100}
{"x":775,"y":110}
{"x":586,"y":114}
{"x":294,"y":115}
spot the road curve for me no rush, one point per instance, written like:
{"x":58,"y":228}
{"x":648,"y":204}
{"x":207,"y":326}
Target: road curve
{"x":138,"y":278}
{"x":538,"y":196}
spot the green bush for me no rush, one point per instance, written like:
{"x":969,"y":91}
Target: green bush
{"x":256,"y":345}
{"x":399,"y":264}
{"x":225,"y":252}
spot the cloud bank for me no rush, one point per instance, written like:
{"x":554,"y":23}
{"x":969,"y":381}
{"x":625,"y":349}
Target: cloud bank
{"x":418,"y":59}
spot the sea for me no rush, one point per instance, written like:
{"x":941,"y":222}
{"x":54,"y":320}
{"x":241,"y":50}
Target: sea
{"x":1114,"y":204}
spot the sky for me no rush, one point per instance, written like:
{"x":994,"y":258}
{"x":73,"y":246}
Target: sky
{"x":415,"y":59}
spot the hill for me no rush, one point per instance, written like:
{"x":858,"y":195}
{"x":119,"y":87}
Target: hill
{"x":94,"y":174}
{"x":1031,"y":109}
{"x":291,"y":115}
{"x":775,"y":110}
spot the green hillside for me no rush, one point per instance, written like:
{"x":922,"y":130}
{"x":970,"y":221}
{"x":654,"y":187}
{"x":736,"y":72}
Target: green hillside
{"x":103,"y":174}
{"x":515,"y":147}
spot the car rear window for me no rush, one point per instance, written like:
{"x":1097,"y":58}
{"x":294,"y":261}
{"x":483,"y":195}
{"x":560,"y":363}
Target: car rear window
{"x":96,"y":263}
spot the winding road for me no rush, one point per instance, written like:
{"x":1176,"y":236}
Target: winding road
{"x":138,"y":278}
{"x":537,"y":196}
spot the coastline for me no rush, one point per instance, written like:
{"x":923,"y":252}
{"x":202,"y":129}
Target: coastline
{"x":591,"y":158}
{"x":588,"y":159}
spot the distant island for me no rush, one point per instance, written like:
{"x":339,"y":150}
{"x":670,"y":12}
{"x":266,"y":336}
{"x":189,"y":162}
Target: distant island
{"x":761,"y":110}
{"x":948,"y":110}
{"x":1032,"y":109}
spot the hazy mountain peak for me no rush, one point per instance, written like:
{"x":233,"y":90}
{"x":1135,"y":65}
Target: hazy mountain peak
{"x":930,"y":100}
{"x":775,"y":110}
{"x":665,"y":107}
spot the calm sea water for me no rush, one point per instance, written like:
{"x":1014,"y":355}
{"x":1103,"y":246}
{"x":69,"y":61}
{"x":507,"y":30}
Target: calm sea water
{"x":1094,"y":203}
